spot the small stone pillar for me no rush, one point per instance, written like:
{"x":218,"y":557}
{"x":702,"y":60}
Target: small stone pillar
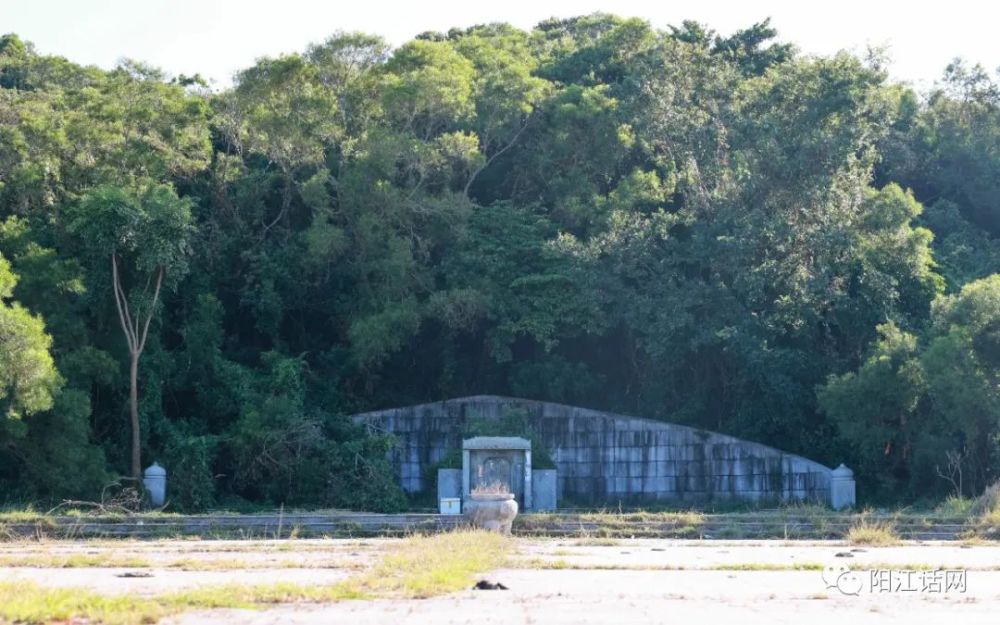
{"x":449,"y":491}
{"x":529,"y":490}
{"x":155,"y":480}
{"x":543,"y":490}
{"x":842,"y":489}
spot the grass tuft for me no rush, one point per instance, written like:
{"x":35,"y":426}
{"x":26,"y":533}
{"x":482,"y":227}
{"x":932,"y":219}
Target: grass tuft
{"x":955,"y":506}
{"x":433,"y":565}
{"x":876,"y":533}
{"x":989,"y":502}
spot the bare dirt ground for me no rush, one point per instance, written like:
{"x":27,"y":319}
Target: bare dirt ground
{"x":566,"y":581}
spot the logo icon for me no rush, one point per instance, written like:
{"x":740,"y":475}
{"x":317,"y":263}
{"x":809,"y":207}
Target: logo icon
{"x":845,"y":580}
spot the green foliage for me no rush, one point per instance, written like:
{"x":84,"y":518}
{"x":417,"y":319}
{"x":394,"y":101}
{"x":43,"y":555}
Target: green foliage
{"x":191,"y":457}
{"x":150,"y":225}
{"x":513,"y":423}
{"x":286,"y":451}
{"x":428,"y":87}
{"x":713,"y":230}
{"x":916,"y":412}
{"x":876,"y":409}
{"x":28,"y":377}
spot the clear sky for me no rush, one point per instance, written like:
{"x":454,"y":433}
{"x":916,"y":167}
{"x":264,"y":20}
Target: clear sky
{"x":218,"y":37}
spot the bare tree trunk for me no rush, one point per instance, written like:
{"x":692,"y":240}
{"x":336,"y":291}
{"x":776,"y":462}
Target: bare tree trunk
{"x":136,"y":339}
{"x":134,"y":411}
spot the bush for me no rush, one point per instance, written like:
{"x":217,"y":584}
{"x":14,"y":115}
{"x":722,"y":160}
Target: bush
{"x":988,"y":502}
{"x":190,"y":479}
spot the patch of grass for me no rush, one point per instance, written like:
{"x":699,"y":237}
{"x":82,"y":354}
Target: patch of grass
{"x":559,"y":564}
{"x":985,"y":515}
{"x":75,"y":561}
{"x":22,"y":602}
{"x":421,"y":566}
{"x":233,"y":564}
{"x":767,"y":566}
{"x":804,"y":508}
{"x":431,"y":565}
{"x":30,"y":604}
{"x":609,"y":525}
{"x":541,"y":563}
{"x":988,"y":502}
{"x":955,"y":506}
{"x":251,"y":596}
{"x":877,"y":533}
{"x":970,"y":539}
{"x":20,"y":515}
{"x":988,"y":524}
{"x":613,"y":519}
{"x":899,"y":566}
{"x":921,"y":566}
{"x":598,"y":541}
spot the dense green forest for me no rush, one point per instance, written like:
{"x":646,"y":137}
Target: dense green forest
{"x":712,"y":230}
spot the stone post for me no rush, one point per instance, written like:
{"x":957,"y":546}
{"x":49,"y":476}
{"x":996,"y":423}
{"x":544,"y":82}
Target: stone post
{"x":842,"y":489}
{"x":527,"y":481}
{"x":154,"y":478}
{"x":466,"y":474}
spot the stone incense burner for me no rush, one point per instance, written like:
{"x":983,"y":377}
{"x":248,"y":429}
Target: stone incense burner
{"x":491,"y":508}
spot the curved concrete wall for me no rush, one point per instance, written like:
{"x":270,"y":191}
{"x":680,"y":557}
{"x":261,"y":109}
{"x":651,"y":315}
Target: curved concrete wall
{"x":603,"y":457}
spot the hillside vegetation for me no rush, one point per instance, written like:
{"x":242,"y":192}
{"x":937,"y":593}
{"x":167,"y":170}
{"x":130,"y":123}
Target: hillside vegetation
{"x":712,"y":230}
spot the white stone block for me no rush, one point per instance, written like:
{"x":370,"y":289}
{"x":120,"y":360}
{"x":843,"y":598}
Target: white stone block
{"x":842,"y":488}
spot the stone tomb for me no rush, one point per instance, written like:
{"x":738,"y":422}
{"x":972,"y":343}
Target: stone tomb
{"x":503,"y":460}
{"x":606,"y":459}
{"x":500,"y":460}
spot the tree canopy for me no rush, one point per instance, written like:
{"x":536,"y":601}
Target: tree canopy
{"x":711,"y":230}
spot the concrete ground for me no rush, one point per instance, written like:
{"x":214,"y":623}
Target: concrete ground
{"x":626,"y":597}
{"x":184,"y":564}
{"x":567,"y":581}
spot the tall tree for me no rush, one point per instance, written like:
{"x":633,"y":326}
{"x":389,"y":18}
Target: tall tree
{"x":141,"y":235}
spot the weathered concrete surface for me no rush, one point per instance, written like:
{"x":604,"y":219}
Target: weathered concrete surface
{"x":638,"y":598}
{"x":603,"y":457}
{"x":619,"y":582}
{"x":698,"y":593}
{"x":184,"y":564}
{"x":698,"y":554}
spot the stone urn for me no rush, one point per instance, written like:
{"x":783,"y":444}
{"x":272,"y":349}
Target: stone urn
{"x":491,"y":511}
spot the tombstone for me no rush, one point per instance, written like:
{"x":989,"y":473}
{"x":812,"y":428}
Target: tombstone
{"x":503,"y":460}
